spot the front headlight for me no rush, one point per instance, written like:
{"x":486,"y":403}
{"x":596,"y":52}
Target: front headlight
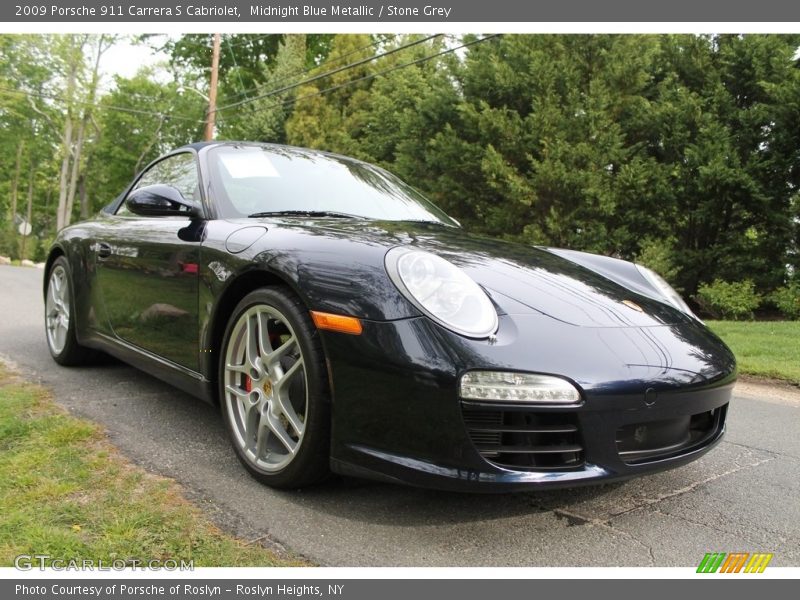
{"x":665,"y":289}
{"x":442,"y":291}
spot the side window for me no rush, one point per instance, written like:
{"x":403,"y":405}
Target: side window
{"x":179,"y":171}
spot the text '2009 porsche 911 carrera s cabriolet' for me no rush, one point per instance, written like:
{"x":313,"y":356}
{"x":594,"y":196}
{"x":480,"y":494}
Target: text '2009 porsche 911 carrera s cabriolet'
{"x":344,"y":323}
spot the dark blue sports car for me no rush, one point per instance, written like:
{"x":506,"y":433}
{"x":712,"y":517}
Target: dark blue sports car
{"x":344,"y":323}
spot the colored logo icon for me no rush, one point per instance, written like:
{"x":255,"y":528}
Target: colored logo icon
{"x":734,"y":562}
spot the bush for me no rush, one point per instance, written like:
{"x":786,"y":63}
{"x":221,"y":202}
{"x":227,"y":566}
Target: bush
{"x":42,"y":248}
{"x":787,"y":300}
{"x":729,"y":300}
{"x":8,"y":245}
{"x":657,"y":254}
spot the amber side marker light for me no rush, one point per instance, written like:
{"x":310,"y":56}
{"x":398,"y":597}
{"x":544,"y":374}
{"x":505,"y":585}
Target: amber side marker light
{"x":339,"y":323}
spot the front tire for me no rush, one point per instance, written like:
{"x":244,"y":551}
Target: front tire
{"x":59,"y":316}
{"x":273,"y":390}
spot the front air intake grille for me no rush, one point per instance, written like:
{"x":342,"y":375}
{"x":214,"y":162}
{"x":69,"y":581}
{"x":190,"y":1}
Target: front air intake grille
{"x":525,"y":440}
{"x":639,"y":443}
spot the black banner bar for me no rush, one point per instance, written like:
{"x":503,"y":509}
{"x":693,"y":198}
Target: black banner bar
{"x":413,"y":11}
{"x":389,"y":589}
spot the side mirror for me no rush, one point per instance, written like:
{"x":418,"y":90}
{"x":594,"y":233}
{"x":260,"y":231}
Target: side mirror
{"x":161,"y":200}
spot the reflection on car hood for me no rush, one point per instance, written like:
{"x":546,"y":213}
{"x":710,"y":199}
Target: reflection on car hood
{"x":524,"y":279}
{"x":520,"y":279}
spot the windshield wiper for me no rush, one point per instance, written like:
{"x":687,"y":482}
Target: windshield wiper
{"x":427,"y":221}
{"x":304,"y":213}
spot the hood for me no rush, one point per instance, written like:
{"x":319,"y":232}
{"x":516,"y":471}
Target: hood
{"x":525,"y":280}
{"x":519,"y":279}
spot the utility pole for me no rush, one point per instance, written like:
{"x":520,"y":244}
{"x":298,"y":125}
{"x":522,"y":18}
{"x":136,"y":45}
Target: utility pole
{"x":212,"y":91}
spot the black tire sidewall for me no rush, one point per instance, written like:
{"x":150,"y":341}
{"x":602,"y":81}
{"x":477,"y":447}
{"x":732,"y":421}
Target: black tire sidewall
{"x":72,"y":353}
{"x":311,"y":464}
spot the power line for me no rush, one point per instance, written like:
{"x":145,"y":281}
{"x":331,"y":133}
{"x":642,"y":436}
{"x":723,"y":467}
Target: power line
{"x":243,"y":93}
{"x":98,"y":105}
{"x":245,"y":42}
{"x":278,"y":91}
{"x":378,"y":74}
{"x":327,"y":73}
{"x":235,"y":65}
{"x":372,"y":44}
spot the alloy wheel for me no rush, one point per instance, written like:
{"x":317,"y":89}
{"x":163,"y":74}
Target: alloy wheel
{"x":266,"y":388}
{"x":57,"y":309}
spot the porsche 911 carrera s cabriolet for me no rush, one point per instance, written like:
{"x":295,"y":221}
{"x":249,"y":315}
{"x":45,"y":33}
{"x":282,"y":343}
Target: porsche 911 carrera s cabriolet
{"x":344,"y":323}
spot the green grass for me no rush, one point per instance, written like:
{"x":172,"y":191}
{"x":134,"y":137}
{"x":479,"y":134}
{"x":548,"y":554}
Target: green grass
{"x":65,"y":492}
{"x":763,"y":348}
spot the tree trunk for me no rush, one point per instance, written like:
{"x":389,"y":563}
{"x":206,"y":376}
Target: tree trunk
{"x":66,"y":148}
{"x":63,"y":183}
{"x":75,"y":170}
{"x":83,"y":198}
{"x":15,"y":188}
{"x":28,"y":214}
{"x":77,"y":156}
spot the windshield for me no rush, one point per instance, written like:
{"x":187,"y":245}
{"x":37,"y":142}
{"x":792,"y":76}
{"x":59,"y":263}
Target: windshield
{"x":256,"y":181}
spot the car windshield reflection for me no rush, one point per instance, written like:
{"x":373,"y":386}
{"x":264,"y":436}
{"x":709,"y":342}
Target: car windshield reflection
{"x":264,"y":181}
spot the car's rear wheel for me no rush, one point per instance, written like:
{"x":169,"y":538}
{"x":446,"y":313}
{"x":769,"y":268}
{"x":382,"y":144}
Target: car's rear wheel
{"x":273,"y":390}
{"x":59,"y":316}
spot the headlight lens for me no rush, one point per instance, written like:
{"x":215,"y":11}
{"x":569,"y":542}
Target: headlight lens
{"x":665,"y":289}
{"x":442,"y":291}
{"x":501,"y":386}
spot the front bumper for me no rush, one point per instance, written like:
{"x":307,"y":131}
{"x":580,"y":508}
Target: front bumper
{"x":651,"y":400}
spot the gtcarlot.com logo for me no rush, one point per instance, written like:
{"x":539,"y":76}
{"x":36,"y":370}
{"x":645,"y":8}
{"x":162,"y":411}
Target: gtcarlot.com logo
{"x":28,"y":562}
{"x":734,"y":562}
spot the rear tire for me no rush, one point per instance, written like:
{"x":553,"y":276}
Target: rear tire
{"x":274,"y":390}
{"x":59,"y":318}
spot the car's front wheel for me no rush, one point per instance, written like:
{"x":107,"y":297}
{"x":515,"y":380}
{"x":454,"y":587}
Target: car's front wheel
{"x":273,"y":390}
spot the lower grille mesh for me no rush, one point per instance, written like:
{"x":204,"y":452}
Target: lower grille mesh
{"x":525,"y":439}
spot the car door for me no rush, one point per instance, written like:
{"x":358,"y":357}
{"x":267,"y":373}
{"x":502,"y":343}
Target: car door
{"x":147,"y":268}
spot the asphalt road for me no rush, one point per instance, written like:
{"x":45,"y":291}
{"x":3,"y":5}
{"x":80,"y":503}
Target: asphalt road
{"x":742,"y":496}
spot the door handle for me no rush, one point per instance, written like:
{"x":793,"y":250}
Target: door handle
{"x":103,"y":249}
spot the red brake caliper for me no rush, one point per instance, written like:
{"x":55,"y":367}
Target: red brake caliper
{"x":248,"y":383}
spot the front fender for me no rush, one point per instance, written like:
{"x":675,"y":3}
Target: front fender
{"x":74,"y":243}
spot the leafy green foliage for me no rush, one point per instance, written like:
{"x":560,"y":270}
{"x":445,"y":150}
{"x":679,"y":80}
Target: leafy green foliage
{"x":333,"y":120}
{"x":248,"y":64}
{"x":679,"y":151}
{"x":729,"y":300}
{"x":787,"y":300}
{"x":264,"y":119}
{"x":676,"y":148}
{"x":657,"y":254}
{"x":30,"y":68}
{"x":174,"y":117}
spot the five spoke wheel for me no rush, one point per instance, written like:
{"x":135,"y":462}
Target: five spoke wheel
{"x":274,"y":392}
{"x":57,"y":309}
{"x":60,"y":324}
{"x":266,"y":388}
